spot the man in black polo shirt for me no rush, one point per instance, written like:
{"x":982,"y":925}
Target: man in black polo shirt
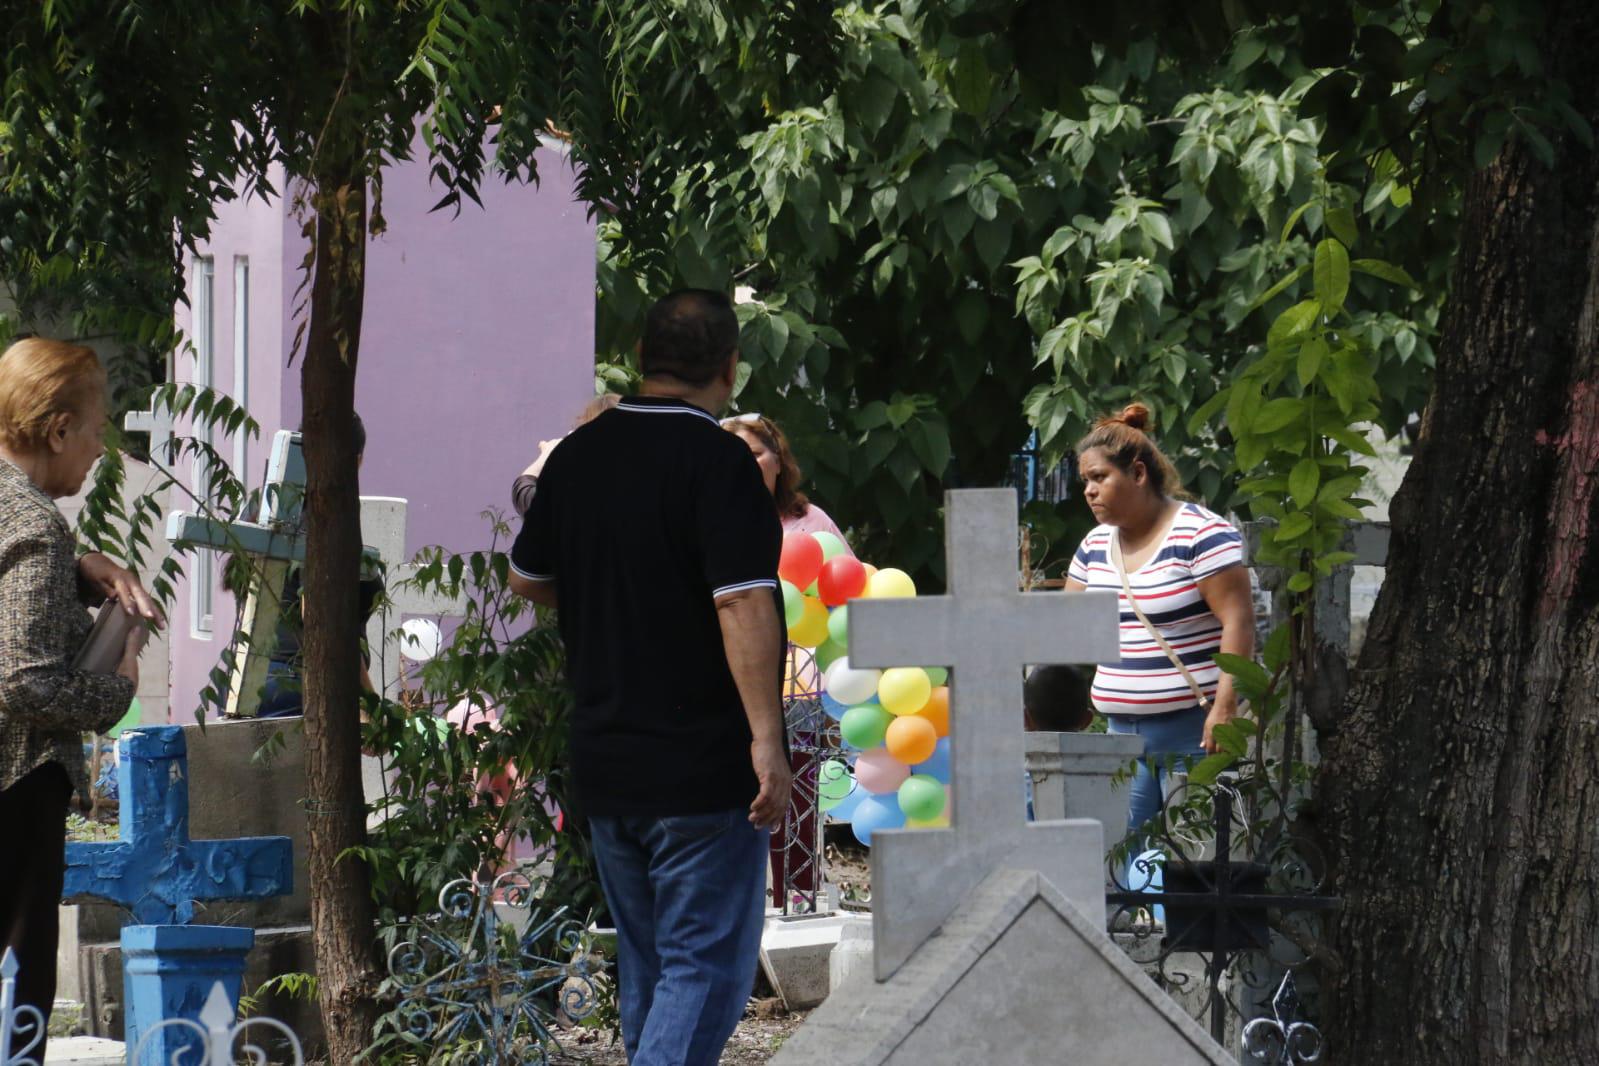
{"x":654,"y":534}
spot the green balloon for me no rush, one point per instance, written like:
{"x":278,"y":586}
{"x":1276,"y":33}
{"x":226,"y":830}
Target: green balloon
{"x":824,"y":803}
{"x":865,"y":726}
{"x":793,"y":604}
{"x":827,"y":653}
{"x":921,"y":797}
{"x":814,"y":590}
{"x":937,"y":675}
{"x":833,"y":781}
{"x":831,"y":545}
{"x":838,"y":627}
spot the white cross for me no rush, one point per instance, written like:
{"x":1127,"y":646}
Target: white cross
{"x":157,"y":421}
{"x":383,"y":521}
{"x":383,"y":529}
{"x":986,"y":631}
{"x":278,"y":541}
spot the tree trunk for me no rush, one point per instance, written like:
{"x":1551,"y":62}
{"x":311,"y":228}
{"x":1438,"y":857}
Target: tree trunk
{"x":1460,"y":794}
{"x":342,"y":911}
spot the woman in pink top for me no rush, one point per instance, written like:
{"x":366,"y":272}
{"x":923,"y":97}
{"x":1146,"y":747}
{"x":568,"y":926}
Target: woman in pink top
{"x":782,"y":473}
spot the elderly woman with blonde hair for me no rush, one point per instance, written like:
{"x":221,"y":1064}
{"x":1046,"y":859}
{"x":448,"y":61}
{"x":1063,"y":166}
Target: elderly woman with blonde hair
{"x":52,"y":422}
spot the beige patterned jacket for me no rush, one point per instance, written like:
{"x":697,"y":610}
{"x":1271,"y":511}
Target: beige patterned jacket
{"x":45,"y":705}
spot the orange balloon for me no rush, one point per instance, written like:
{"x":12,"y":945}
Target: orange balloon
{"x":936,"y":710}
{"x":911,"y":739}
{"x":870,"y":570}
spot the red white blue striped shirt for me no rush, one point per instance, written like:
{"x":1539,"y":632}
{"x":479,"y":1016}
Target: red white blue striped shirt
{"x":1198,"y":545}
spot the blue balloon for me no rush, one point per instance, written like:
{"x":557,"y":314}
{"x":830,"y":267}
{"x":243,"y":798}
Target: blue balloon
{"x":844,"y":809}
{"x":937,"y":764}
{"x":874,"y":813}
{"x":833,"y":709}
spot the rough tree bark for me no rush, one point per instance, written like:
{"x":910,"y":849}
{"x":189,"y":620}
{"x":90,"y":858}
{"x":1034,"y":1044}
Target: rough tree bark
{"x":342,"y":911}
{"x":1460,"y":793}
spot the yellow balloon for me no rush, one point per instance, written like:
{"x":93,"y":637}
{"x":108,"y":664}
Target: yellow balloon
{"x":941,"y":822}
{"x":904,"y":689}
{"x":811,"y":629}
{"x":890,"y":584}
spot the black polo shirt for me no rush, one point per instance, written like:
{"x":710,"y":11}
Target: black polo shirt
{"x":643,"y":517}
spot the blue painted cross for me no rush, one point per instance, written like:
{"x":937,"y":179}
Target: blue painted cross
{"x":155,"y":870}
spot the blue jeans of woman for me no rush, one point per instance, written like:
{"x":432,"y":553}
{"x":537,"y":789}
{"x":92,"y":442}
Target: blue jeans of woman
{"x":688,"y":896}
{"x":1169,"y":739}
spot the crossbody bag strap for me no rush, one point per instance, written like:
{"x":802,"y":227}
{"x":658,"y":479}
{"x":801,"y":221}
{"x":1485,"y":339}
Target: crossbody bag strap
{"x":1165,"y":646}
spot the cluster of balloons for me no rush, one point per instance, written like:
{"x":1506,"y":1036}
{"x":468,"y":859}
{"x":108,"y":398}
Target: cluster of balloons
{"x":895,"y":721}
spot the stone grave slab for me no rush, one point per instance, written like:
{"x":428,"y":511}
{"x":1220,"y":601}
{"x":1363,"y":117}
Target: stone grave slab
{"x":1017,"y":974}
{"x":85,"y":1051}
{"x":1074,"y":777}
{"x":986,"y":629}
{"x":797,"y":951}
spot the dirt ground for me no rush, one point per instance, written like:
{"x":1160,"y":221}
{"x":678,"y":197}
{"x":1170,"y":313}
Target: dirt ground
{"x":762,"y":1031}
{"x":765,"y":1024}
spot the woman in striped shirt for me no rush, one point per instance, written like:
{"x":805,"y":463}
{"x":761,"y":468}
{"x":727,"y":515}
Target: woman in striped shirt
{"x":1184,"y":567}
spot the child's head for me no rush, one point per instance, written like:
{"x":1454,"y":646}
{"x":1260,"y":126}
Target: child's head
{"x":1055,"y":700}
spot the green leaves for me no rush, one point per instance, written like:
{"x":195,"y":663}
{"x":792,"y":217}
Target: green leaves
{"x":1294,"y":322}
{"x":1296,"y":414}
{"x":1303,"y":481}
{"x":1311,"y":356}
{"x":1279,"y":286}
{"x":1377,"y":268}
{"x":1331,"y":275}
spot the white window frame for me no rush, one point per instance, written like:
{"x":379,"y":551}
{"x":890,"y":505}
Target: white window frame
{"x":241,"y":363}
{"x":202,"y":574}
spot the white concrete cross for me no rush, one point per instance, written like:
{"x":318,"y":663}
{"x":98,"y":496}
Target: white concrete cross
{"x":383,"y":529}
{"x":277,"y":540}
{"x":157,"y":421}
{"x":986,"y":631}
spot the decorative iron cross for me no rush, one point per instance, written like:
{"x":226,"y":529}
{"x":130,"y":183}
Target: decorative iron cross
{"x":1218,"y":908}
{"x":985,"y":630}
{"x":462,"y":986}
{"x":154,"y":869}
{"x":1283,"y":1040}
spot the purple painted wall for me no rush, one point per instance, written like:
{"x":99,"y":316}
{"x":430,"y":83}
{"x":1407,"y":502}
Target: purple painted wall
{"x":477,"y":341}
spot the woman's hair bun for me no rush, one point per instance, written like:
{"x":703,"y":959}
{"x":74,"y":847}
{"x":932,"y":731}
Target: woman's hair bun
{"x":1135,"y":415}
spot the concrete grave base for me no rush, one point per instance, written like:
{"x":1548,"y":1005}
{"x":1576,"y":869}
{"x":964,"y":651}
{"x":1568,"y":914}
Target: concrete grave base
{"x":85,"y":1051}
{"x":1016,"y":974}
{"x":276,"y":951}
{"x":852,"y":953}
{"x":796,"y":951}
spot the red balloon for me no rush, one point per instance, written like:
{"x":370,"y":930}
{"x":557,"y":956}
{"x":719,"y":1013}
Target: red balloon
{"x":801,"y":560}
{"x":843,"y":578}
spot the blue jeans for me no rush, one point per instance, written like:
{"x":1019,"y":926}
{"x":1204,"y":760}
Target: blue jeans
{"x":1173,"y":738}
{"x":688,"y":896}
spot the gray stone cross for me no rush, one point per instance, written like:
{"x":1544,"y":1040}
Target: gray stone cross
{"x":985,"y":630}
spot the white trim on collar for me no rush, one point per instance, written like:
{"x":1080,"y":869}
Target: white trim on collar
{"x":668,"y":409}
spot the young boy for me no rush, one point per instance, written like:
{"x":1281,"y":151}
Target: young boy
{"x":1054,"y":700}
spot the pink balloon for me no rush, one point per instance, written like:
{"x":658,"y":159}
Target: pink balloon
{"x":879,"y":772}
